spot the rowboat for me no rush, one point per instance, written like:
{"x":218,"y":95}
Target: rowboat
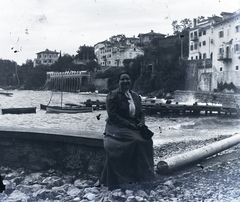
{"x":21,"y":110}
{"x":69,"y":110}
{"x":43,"y":107}
{"x":7,"y":94}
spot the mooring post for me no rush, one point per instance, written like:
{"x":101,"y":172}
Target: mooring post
{"x":175,"y":162}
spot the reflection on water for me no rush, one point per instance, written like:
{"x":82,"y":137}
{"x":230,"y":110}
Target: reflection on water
{"x":166,"y":129}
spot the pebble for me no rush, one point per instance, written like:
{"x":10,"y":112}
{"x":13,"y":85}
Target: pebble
{"x":214,"y":184}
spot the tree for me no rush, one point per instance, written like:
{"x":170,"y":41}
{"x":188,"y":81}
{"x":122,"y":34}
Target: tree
{"x":24,"y":72}
{"x":36,"y":78}
{"x":7,"y":72}
{"x":85,"y":53}
{"x":184,"y":24}
{"x":92,"y":66}
{"x":64,"y":63}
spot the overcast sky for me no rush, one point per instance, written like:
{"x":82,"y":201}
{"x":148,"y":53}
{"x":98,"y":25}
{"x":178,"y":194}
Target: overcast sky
{"x":31,"y":26}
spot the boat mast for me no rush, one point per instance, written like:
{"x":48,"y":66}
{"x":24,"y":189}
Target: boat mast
{"x":61,"y":89}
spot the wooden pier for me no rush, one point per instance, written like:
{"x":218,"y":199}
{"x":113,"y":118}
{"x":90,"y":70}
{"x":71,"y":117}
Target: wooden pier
{"x":190,"y":110}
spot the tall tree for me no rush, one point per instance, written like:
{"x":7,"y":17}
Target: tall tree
{"x":85,"y":53}
{"x":183,"y":25}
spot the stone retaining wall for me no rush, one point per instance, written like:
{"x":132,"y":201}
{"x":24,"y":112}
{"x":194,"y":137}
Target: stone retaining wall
{"x":39,"y":149}
{"x":226,"y":99}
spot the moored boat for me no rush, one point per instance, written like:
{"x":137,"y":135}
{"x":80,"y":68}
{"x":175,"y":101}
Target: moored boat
{"x":7,"y":94}
{"x":21,"y":110}
{"x":69,"y":110}
{"x":43,"y":106}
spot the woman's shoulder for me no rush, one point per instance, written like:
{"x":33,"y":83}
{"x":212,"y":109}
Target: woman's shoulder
{"x":134,"y":93}
{"x":113,"y":94}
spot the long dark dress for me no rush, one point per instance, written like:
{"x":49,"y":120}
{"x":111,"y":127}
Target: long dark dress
{"x":129,"y":157}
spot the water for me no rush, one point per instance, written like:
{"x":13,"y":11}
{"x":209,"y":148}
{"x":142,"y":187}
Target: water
{"x":165,"y":129}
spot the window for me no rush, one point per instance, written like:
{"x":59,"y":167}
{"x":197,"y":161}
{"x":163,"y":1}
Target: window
{"x":237,"y":28}
{"x":221,"y":34}
{"x":204,"y":55}
{"x":237,"y":68}
{"x":221,"y":69}
{"x":220,"y":50}
{"x":228,"y":31}
{"x":195,"y":46}
{"x":200,"y":34}
{"x":191,"y":58}
{"x":196,"y":57}
{"x":204,"y":43}
{"x":191,"y":47}
{"x":200,"y":56}
{"x":237,"y":47}
{"x":204,"y":32}
{"x":191,"y":35}
{"x":199,"y":44}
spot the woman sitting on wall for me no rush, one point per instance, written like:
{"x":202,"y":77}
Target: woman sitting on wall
{"x":129,"y":157}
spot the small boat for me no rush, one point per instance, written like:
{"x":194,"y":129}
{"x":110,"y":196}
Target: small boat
{"x":7,"y":94}
{"x":43,"y":107}
{"x":69,"y":110}
{"x":21,"y":110}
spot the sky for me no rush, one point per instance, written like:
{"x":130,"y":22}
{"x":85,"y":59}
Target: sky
{"x":31,"y":26}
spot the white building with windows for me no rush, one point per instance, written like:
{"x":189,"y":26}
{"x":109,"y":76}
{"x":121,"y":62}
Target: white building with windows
{"x":215,"y":44}
{"x":46,"y":57}
{"x":114,"y":53}
{"x":226,"y":59}
{"x":201,"y":38}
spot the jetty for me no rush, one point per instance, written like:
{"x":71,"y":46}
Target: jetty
{"x":166,"y":109}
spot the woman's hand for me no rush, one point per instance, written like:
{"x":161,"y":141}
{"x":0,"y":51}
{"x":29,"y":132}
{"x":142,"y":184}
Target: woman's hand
{"x":132,"y":126}
{"x":140,"y":125}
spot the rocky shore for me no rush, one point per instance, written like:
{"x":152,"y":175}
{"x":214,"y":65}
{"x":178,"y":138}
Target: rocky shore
{"x":215,"y":179}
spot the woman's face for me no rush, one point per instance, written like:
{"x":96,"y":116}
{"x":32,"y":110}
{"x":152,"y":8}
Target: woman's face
{"x":124,"y":82}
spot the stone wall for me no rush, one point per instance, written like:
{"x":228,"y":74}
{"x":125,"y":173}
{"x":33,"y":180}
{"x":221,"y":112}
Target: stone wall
{"x":226,"y":99}
{"x":39,"y":149}
{"x":199,"y":75}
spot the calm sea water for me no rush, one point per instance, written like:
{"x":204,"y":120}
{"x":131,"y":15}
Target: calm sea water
{"x":166,"y":129}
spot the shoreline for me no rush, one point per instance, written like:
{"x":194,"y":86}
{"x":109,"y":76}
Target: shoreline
{"x":216,"y":180}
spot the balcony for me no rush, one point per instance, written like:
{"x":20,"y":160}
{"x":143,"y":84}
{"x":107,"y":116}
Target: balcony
{"x":204,"y":63}
{"x":194,"y":38}
{"x":224,"y":57}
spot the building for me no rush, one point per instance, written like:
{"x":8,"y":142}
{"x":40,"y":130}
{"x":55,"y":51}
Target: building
{"x":46,"y":57}
{"x":115,"y":51}
{"x":226,"y":59}
{"x":201,"y":38}
{"x":214,"y":45}
{"x":148,"y":37}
